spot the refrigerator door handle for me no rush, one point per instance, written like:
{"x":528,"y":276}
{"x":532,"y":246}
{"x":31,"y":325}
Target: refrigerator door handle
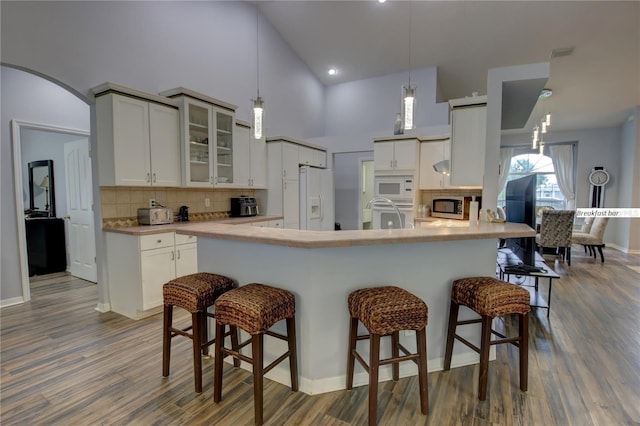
{"x":321,"y":208}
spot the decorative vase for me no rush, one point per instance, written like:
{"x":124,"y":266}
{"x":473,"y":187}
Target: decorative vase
{"x":397,"y":126}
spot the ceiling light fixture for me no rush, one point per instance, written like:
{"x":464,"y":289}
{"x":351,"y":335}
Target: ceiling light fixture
{"x":409,"y":92}
{"x":381,"y":1}
{"x":333,"y":71}
{"x":545,"y":122}
{"x":258,"y":102}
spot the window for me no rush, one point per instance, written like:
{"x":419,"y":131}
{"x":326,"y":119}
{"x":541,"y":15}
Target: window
{"x":547,"y":191}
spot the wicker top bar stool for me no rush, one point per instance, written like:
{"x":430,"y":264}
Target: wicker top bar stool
{"x":194,"y":293}
{"x":255,"y":308}
{"x":490,"y":298}
{"x":384,"y":311}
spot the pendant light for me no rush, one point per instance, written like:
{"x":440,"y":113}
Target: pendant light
{"x":409,"y":92}
{"x":545,"y":122}
{"x":258,"y":102}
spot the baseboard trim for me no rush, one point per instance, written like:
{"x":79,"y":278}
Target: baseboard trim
{"x":103,"y":307}
{"x":281,"y":373}
{"x":622,"y":249}
{"x":10,"y":302}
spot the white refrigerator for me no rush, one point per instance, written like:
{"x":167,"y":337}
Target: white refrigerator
{"x":316,"y":199}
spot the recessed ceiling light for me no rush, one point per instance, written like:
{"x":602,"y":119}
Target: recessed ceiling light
{"x":333,"y":71}
{"x":381,"y":1}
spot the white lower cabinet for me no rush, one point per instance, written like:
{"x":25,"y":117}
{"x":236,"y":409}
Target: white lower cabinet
{"x":138,"y":267}
{"x":278,"y":223}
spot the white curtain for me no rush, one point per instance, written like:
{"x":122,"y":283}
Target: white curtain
{"x":505,"y":165}
{"x":562,"y":157}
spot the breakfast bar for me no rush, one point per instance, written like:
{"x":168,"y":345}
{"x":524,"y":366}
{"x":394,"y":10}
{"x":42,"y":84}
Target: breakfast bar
{"x":322,"y":267}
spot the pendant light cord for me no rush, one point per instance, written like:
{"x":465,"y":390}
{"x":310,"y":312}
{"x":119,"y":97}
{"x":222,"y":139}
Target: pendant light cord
{"x":410,"y":44}
{"x":257,"y":51}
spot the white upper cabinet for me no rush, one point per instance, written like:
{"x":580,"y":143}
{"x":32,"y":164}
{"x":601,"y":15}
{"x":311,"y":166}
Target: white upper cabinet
{"x":468,"y":141}
{"x":312,"y":157}
{"x":250,"y":158}
{"x":396,"y":155}
{"x":208,"y":127}
{"x":138,"y":141}
{"x":432,"y":152}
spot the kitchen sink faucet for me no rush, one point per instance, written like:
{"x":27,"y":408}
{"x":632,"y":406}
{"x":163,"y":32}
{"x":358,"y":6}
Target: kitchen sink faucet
{"x":391,"y":203}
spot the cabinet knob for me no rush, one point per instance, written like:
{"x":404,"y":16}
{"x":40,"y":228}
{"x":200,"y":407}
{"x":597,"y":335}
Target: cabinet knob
{"x":148,"y":177}
{"x":154,"y":178}
{"x":67,"y":216}
{"x":178,"y":254}
{"x":158,"y":241}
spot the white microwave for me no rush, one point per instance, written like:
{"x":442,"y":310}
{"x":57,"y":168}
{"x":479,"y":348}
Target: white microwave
{"x":394,"y":187}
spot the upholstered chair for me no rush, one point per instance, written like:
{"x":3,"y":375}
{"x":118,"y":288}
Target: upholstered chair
{"x":556,"y":230}
{"x":594,"y":238}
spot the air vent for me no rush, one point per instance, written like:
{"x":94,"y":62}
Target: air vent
{"x":562,"y":51}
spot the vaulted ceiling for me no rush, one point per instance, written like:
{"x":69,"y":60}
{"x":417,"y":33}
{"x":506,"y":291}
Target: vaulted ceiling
{"x":595,"y":86}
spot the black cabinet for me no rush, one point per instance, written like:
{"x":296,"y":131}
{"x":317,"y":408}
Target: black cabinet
{"x":46,"y":248}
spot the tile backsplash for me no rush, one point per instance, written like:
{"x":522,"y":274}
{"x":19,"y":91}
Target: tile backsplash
{"x":118,"y":202}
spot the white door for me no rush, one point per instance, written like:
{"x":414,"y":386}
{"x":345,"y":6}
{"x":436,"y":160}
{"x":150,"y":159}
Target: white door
{"x":82,"y":242}
{"x":157,"y":267}
{"x":405,"y":155}
{"x":164,"y":135}
{"x":186,"y":259}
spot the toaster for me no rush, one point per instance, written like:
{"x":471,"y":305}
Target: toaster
{"x":155,"y":216}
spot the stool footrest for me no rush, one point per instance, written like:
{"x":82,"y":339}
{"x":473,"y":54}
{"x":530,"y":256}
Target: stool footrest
{"x":281,"y":358}
{"x":468,"y":343}
{"x":411,"y":357}
{"x":362,"y":362}
{"x":276,"y":335}
{"x":235,"y":354}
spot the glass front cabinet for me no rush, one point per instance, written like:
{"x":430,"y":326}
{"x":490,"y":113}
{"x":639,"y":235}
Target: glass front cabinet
{"x":208,"y":144}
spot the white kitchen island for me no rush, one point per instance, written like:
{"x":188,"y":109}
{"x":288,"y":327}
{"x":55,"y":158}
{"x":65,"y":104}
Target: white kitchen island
{"x":322,"y":268}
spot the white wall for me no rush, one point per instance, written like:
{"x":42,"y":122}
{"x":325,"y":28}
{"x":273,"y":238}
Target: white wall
{"x":28,"y":98}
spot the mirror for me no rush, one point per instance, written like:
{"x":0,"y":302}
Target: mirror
{"x":41,"y":189}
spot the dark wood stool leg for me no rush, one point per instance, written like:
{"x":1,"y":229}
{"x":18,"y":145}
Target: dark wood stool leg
{"x":234,"y":342}
{"x":485,"y":339}
{"x":421,"y":344}
{"x":204,"y":333}
{"x":293,"y":353}
{"x":351,"y":359}
{"x":374,"y":364}
{"x":601,"y":254}
{"x":258,"y":374}
{"x":166,"y":339}
{"x":453,"y":319}
{"x":523,"y":323}
{"x":395,"y":353}
{"x":196,"y":319}
{"x":568,"y":255}
{"x":217,"y":365}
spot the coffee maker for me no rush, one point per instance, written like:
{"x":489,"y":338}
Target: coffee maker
{"x":183,"y":214}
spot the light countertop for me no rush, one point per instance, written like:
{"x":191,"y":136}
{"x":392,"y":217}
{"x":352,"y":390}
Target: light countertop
{"x":172,"y":227}
{"x":323,"y":239}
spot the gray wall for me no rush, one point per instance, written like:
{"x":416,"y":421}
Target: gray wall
{"x":28,"y":98}
{"x":346,"y":180}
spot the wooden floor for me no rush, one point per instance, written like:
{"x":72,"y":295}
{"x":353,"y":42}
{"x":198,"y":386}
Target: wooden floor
{"x":63,"y":363}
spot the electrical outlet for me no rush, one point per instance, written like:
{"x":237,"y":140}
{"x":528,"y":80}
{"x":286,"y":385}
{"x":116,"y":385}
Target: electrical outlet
{"x":207,"y":202}
{"x":152,"y":202}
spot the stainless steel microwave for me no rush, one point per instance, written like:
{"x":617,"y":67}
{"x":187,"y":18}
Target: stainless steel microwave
{"x":452,"y":207}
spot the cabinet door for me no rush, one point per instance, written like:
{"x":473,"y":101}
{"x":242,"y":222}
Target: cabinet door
{"x":320,"y":158}
{"x":291,"y":204}
{"x":289,"y":161}
{"x":164,"y":133}
{"x":157,"y":267}
{"x":198,"y":141}
{"x":242,"y":156}
{"x":383,"y":155}
{"x":258,"y":162}
{"x":405,"y":155}
{"x":468,"y":135}
{"x":223,"y":160}
{"x":132,"y":162}
{"x":430,"y":154}
{"x":305,"y":155}
{"x":186,"y":259}
{"x":279,"y":223}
